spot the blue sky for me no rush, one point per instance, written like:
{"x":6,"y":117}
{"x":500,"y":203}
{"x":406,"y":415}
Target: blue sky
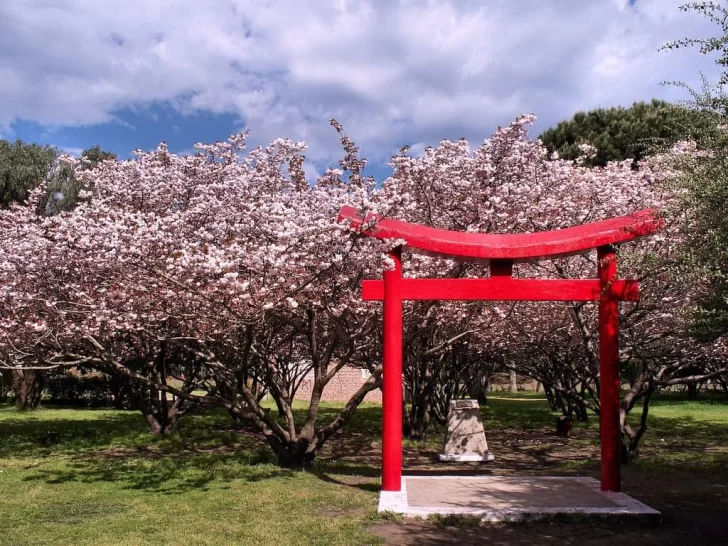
{"x":74,"y":73}
{"x":140,"y":127}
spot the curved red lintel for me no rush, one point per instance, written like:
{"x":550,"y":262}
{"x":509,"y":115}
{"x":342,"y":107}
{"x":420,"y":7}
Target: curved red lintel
{"x":517,"y":246}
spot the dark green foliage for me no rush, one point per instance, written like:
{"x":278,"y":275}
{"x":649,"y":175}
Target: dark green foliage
{"x":621,"y":134}
{"x":710,"y":320}
{"x":22,"y":168}
{"x":87,"y":390}
{"x":95,"y":155}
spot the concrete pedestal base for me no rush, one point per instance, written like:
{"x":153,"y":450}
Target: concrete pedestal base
{"x":463,"y":458}
{"x":465,"y":440}
{"x":508,"y":498}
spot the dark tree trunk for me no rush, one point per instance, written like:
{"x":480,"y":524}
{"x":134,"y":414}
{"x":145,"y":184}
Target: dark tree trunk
{"x":161,"y":417}
{"x":550,"y":397}
{"x":416,"y":427}
{"x":420,"y":391}
{"x":296,"y":454}
{"x":122,"y":392}
{"x":417,"y":416}
{"x":563,"y":426}
{"x":640,"y":391}
{"x":478,"y":388}
{"x":5,"y":385}
{"x":160,"y":426}
{"x":578,"y":409}
{"x":279,"y":405}
{"x":581,"y":413}
{"x":27,"y":388}
{"x":692,"y":391}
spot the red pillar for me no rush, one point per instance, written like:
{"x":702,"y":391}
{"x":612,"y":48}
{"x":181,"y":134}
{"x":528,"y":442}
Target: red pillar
{"x":392,"y":381}
{"x":609,"y":394}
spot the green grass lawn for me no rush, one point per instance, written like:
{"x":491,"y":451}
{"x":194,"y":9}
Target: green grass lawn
{"x":97,"y":477}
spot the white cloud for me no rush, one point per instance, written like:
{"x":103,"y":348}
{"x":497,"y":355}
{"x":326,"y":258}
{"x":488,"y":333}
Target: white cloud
{"x":75,"y":152}
{"x":393,"y":72}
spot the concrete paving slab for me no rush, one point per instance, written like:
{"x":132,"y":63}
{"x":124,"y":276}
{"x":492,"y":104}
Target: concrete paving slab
{"x":508,"y":498}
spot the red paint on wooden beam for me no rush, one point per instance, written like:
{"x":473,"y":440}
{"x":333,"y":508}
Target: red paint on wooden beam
{"x":519,"y":247}
{"x":609,"y":380}
{"x":504,"y":289}
{"x":392,"y":380}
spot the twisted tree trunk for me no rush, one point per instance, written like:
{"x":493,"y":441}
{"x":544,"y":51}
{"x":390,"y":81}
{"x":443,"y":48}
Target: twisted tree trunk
{"x":27,"y":386}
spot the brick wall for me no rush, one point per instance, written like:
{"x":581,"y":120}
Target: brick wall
{"x":341,"y":388}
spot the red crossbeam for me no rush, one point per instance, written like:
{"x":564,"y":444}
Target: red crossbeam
{"x":503,"y":289}
{"x":516,"y":246}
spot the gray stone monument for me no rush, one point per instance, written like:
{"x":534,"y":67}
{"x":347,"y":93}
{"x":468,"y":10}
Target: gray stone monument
{"x":465,"y":439}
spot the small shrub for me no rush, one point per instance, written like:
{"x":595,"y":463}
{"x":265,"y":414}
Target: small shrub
{"x":87,"y":390}
{"x":388,"y":515}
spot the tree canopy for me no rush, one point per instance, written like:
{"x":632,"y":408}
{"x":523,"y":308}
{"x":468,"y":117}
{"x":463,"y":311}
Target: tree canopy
{"x":619,"y":133}
{"x":22,"y":167}
{"x":95,"y":155}
{"x":25,"y":166}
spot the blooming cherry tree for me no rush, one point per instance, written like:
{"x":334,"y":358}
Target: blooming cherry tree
{"x":510,"y":185}
{"x":228,"y":270}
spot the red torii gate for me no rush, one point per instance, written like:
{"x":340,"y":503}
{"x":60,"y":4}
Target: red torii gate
{"x":502,"y":251}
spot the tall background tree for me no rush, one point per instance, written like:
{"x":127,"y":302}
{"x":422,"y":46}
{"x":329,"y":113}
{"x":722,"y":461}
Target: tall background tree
{"x":621,"y":134}
{"x":22,"y":168}
{"x":94,"y":155}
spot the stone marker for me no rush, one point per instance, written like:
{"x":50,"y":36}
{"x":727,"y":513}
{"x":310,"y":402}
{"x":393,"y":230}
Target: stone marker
{"x":465,"y":439}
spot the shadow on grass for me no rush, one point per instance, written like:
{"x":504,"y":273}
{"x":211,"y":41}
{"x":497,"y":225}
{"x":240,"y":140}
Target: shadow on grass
{"x":169,"y":474}
{"x":367,"y":419}
{"x":56,"y":431}
{"x":99,"y":446}
{"x":370,"y":485}
{"x":114,"y":447}
{"x":684,"y":444}
{"x":514,"y":412}
{"x":687,"y":428}
{"x":34,"y":435}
